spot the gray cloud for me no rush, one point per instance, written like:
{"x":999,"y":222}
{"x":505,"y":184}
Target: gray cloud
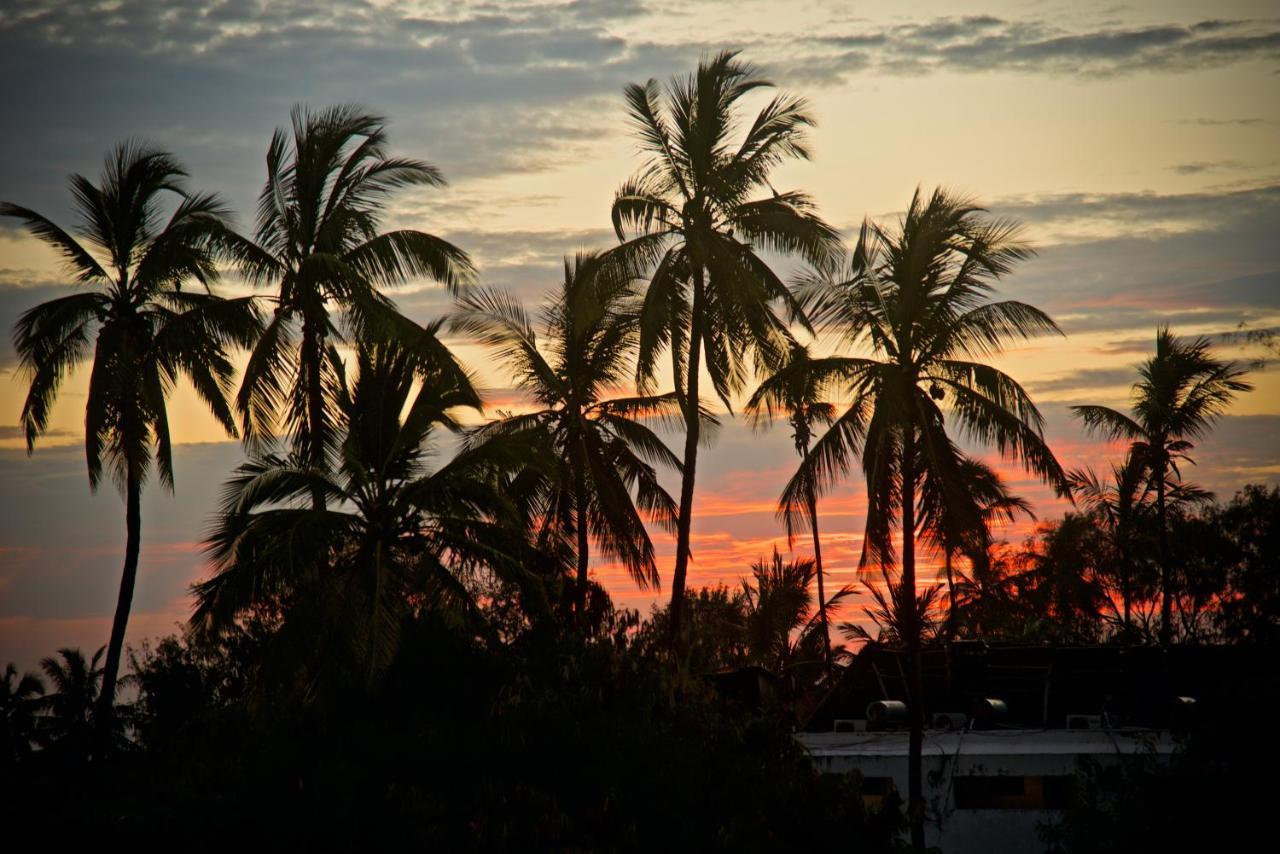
{"x":1199,"y":167}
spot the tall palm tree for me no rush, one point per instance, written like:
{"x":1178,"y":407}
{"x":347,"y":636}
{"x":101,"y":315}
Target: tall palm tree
{"x":796,"y":389}
{"x":139,"y":328}
{"x":946,"y":531}
{"x":20,"y":698}
{"x":697,"y":215}
{"x":1180,"y":392}
{"x":920,"y":299}
{"x":597,"y":452}
{"x":318,"y":243}
{"x":392,"y":535}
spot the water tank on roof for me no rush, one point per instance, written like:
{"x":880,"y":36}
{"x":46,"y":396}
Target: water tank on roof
{"x":885,"y":714}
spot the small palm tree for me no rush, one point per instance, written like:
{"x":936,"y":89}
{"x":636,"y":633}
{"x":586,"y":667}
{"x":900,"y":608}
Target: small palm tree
{"x":137,"y":326}
{"x":796,"y":389}
{"x":782,"y":627}
{"x":391,"y":537}
{"x":919,"y":298}
{"x":20,"y":699}
{"x":318,"y":243}
{"x":598,"y":473}
{"x":697,"y":215}
{"x":1180,"y":392}
{"x":70,"y":724}
{"x":947,"y":532}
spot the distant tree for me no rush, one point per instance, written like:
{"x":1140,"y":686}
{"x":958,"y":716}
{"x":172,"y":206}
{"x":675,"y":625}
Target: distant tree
{"x":317,"y":242}
{"x":598,"y":473}
{"x":796,"y":390}
{"x":69,"y":725}
{"x":1181,"y":390}
{"x":20,"y":700}
{"x":693,"y":218}
{"x":920,"y":298}
{"x":1251,"y":611}
{"x":137,"y":326}
{"x":783,"y":630}
{"x":948,"y":532}
{"x":1059,"y":581}
{"x":391,"y":536}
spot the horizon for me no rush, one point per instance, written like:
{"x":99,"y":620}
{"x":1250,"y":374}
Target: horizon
{"x":1136,"y":145}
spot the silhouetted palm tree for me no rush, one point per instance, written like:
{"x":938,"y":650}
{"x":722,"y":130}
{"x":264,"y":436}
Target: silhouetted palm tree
{"x":1117,"y":507}
{"x":1181,"y":390}
{"x":318,"y":243}
{"x":920,"y":299}
{"x":782,"y":627}
{"x":796,"y":389}
{"x":70,"y":723}
{"x":391,"y":535}
{"x":691,"y":216}
{"x":138,"y":327}
{"x":945,"y":530}
{"x":20,"y":699}
{"x":597,"y":476}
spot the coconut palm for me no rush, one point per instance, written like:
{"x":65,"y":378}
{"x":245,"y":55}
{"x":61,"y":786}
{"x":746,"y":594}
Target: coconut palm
{"x":70,"y":724}
{"x":920,"y":298}
{"x":796,"y":390}
{"x":1118,"y":506}
{"x":137,"y":326}
{"x":1180,"y":392}
{"x":945,"y":531}
{"x":598,"y":474}
{"x":20,"y":699}
{"x":697,"y":215}
{"x":317,"y":242}
{"x":392,"y":536}
{"x":783,"y":630}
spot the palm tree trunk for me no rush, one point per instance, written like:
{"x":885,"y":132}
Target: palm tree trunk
{"x":584,"y":545}
{"x":312,"y":357}
{"x":817,"y":562}
{"x":907,"y":606}
{"x":128,"y":579}
{"x":691,"y":436}
{"x":951,"y":596}
{"x":1166,"y":605}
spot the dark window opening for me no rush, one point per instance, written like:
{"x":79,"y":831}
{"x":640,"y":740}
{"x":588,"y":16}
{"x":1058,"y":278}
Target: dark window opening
{"x":1011,"y":792}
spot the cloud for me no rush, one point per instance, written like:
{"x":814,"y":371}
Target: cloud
{"x":985,"y":43}
{"x":1199,"y":167}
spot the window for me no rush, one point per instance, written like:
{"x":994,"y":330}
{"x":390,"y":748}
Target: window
{"x":1011,"y":792}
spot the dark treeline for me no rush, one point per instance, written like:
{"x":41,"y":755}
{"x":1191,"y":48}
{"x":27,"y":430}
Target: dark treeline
{"x":395,"y":643}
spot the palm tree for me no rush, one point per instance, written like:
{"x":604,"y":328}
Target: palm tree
{"x":70,"y":723}
{"x":20,"y":698}
{"x":317,"y":242}
{"x":596,"y":452}
{"x":920,"y":299}
{"x":1117,"y":507}
{"x":782,"y":628}
{"x":138,"y":327}
{"x":391,"y":536}
{"x":691,"y":216}
{"x":1180,"y":392}
{"x":945,"y":530}
{"x":796,"y":389}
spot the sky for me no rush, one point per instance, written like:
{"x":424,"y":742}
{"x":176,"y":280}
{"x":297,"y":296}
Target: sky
{"x":1138,"y":143}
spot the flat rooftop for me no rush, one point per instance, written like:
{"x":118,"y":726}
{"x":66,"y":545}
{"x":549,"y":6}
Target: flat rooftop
{"x":1003,"y":742}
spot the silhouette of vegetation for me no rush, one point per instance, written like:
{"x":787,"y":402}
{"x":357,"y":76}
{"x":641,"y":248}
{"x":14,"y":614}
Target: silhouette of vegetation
{"x":399,"y":641}
{"x":137,"y":326}
{"x":1181,"y":389}
{"x":693,"y":217}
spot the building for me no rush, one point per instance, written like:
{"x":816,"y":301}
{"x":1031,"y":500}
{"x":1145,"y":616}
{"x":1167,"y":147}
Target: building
{"x":1008,"y":726}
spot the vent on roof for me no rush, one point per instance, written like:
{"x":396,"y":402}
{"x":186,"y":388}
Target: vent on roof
{"x":950,"y":720}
